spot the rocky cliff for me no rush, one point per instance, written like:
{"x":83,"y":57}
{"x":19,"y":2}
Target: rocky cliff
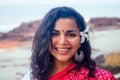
{"x":23,"y":32}
{"x":104,"y":23}
{"x":26,"y":31}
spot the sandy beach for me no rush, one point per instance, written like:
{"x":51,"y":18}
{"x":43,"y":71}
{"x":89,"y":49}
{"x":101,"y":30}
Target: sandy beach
{"x":107,"y":41}
{"x":14,"y":62}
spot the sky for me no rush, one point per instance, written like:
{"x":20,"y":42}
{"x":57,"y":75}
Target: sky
{"x":62,"y":2}
{"x":14,"y":12}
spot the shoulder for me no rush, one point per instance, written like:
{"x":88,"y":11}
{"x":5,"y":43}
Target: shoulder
{"x":104,"y":75}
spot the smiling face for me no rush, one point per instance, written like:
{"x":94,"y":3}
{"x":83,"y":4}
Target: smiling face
{"x":65,"y":40}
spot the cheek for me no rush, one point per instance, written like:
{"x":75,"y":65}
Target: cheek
{"x":53,"y":41}
{"x":76,"y":43}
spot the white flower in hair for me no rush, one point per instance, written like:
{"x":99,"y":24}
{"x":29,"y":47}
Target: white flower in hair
{"x":84,"y":34}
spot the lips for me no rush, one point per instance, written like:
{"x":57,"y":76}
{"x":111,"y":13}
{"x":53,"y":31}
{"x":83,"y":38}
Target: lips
{"x":62,"y":50}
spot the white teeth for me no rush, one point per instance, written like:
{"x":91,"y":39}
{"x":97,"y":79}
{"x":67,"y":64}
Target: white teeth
{"x":62,"y":49}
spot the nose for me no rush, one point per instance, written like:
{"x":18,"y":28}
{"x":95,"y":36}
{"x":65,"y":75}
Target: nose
{"x":63,"y":40}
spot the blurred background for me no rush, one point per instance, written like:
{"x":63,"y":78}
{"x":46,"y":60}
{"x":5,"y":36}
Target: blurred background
{"x":19,"y":19}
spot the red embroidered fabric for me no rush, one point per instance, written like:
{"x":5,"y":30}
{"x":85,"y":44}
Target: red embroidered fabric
{"x":82,"y":74}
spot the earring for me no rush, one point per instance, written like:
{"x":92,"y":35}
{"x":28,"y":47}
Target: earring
{"x":79,"y":56}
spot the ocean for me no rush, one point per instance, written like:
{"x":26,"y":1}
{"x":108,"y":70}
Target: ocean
{"x":13,"y":16}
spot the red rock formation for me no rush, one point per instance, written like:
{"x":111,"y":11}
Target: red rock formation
{"x":105,"y":23}
{"x":26,"y":30}
{"x":22,"y":33}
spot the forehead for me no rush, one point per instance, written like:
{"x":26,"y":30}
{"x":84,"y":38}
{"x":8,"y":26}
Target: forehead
{"x":66,"y":24}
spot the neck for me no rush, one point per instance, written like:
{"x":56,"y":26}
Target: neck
{"x":59,"y":66}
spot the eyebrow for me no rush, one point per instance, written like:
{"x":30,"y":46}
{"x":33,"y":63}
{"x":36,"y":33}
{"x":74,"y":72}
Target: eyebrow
{"x":68,"y":31}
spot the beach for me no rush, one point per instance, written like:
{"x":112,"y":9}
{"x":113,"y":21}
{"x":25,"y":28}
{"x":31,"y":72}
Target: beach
{"x":14,"y":63}
{"x":107,"y":41}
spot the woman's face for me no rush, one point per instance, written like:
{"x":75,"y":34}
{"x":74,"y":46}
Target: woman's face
{"x":65,"y":40}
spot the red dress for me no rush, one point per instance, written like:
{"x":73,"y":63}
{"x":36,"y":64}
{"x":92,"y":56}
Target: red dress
{"x":82,"y":74}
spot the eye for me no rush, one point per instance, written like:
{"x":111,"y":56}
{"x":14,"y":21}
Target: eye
{"x":55,"y":34}
{"x":71,"y":34}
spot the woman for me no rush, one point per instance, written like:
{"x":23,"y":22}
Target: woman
{"x":61,"y":49}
